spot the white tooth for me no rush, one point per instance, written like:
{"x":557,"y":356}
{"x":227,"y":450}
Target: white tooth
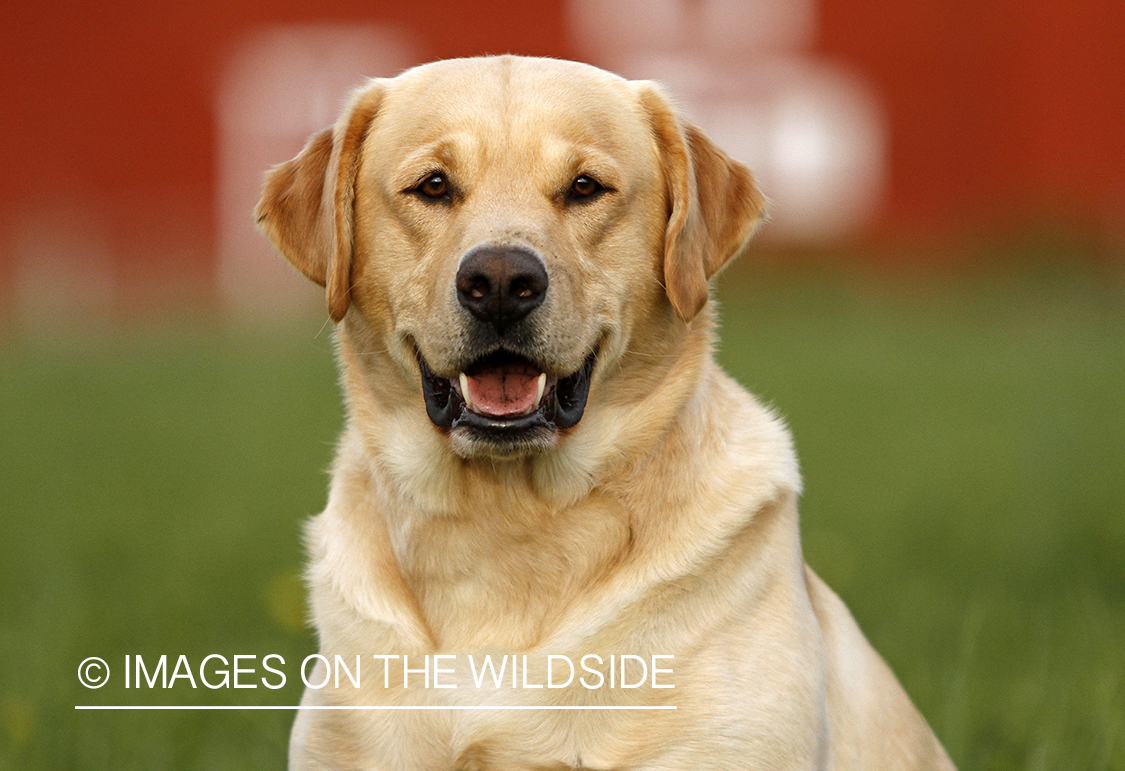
{"x":541,"y":386}
{"x":464,"y":382}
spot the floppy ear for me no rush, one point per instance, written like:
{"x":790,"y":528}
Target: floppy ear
{"x":307,"y":206}
{"x":714,"y":204}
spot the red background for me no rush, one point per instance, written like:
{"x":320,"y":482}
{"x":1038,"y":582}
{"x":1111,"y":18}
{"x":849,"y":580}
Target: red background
{"x":1003,"y":114}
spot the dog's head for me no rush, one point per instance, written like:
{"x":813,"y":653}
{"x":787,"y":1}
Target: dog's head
{"x":500,"y":233}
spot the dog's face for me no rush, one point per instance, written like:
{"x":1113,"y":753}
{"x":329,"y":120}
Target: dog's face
{"x":507,"y":232}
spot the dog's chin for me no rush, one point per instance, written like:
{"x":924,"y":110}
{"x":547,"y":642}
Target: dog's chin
{"x":504,"y":405}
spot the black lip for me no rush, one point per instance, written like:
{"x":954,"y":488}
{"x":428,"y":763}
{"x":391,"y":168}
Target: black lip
{"x":562,"y":407}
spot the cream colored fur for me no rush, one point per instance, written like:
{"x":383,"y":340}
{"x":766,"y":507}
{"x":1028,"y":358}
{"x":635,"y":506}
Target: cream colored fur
{"x":663,"y":523}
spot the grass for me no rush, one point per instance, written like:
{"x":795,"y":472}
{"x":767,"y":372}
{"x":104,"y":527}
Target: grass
{"x":963,"y":448}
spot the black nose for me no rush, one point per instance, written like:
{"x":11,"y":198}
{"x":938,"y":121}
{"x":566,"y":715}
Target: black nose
{"x":501,"y":285}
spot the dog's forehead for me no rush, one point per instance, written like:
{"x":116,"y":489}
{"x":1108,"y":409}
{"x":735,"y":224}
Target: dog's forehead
{"x":500,"y":98}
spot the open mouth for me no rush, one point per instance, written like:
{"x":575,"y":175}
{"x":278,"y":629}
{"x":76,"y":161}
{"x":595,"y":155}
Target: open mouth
{"x":505,"y":395}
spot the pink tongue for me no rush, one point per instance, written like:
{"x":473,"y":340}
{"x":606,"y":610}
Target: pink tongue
{"x":503,"y":390}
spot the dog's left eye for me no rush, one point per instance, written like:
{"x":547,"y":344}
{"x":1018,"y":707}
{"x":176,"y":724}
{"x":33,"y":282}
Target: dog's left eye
{"x":434,"y":186}
{"x":584,"y":187}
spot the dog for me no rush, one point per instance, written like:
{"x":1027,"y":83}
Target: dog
{"x":557,"y":535}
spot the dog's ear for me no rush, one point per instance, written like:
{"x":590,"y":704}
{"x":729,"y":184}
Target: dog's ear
{"x":714,"y":205}
{"x":307,"y":205}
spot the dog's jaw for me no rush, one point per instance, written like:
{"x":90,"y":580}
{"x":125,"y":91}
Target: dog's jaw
{"x":503,"y":405}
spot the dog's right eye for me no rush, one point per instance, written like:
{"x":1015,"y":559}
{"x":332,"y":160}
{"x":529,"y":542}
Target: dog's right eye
{"x":584,"y":187}
{"x":434,"y":187}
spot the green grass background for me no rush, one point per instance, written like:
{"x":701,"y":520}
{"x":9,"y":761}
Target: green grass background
{"x":963,"y":449}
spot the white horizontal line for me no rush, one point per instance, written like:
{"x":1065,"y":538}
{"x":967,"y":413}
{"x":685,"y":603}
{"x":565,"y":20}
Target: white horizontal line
{"x":380,"y":707}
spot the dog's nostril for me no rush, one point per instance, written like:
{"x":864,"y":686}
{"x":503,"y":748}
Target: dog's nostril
{"x":501,"y":285}
{"x":479,"y":289}
{"x":523,"y":290}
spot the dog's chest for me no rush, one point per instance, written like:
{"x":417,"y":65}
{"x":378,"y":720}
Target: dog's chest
{"x":482,"y":583}
{"x":533,"y":739}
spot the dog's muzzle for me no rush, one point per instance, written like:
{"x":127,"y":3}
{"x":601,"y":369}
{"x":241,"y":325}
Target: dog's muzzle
{"x":504,"y":395}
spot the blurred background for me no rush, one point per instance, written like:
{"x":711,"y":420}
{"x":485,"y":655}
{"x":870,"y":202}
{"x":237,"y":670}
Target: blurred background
{"x":135,"y":136}
{"x":935,"y":307}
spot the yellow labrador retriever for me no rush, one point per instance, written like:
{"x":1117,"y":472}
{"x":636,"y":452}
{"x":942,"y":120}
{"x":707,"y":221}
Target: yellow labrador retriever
{"x":558,"y":536}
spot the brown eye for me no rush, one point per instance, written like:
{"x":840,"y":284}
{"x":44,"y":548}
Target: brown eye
{"x":434,"y":186}
{"x":584,"y":187}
